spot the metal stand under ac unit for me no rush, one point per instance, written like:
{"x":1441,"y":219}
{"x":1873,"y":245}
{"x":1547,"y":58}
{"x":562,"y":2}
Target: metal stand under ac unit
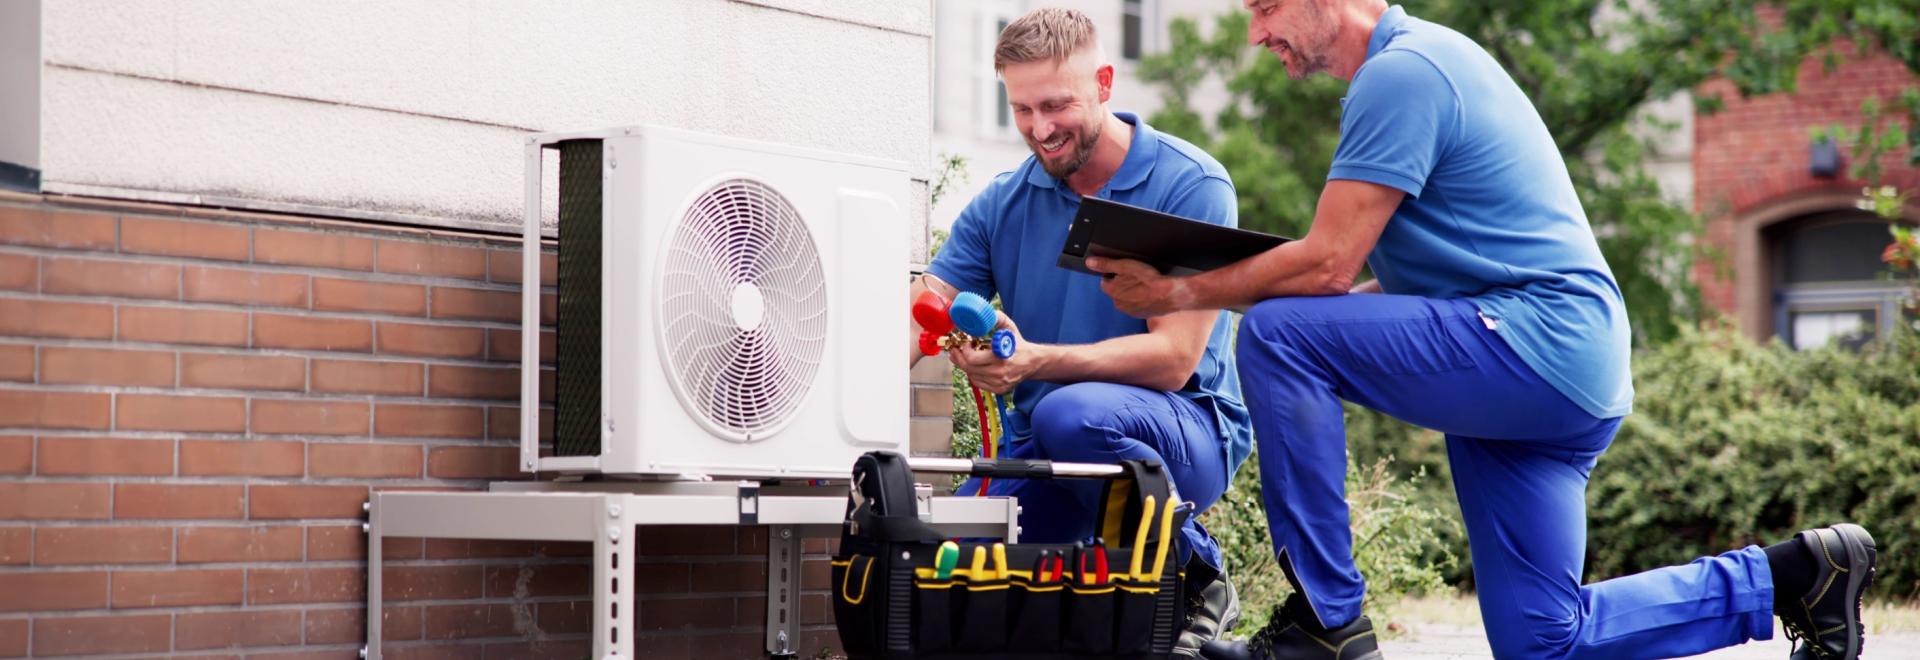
{"x":612,"y":515}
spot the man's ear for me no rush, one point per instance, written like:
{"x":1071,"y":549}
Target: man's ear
{"x":1104,"y":76}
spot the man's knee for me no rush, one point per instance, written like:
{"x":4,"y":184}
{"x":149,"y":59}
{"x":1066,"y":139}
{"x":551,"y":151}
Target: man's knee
{"x":1071,"y":421}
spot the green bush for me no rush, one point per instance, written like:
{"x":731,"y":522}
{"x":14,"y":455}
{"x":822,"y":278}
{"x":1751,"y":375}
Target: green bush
{"x":1733,"y":442}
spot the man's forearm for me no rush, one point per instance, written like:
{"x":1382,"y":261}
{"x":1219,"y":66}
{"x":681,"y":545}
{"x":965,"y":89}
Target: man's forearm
{"x":1286,"y":270}
{"x":1143,"y":360}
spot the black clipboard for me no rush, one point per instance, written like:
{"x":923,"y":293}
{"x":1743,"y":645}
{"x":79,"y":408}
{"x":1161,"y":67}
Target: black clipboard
{"x":1170,"y":243}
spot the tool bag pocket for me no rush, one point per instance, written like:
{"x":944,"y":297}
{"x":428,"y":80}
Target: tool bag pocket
{"x":895,"y":598}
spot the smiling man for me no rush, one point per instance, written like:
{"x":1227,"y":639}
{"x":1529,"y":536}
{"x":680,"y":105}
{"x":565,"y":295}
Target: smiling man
{"x":1089,"y":383}
{"x":1499,"y":324}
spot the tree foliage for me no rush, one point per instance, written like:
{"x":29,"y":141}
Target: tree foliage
{"x":1590,"y":68}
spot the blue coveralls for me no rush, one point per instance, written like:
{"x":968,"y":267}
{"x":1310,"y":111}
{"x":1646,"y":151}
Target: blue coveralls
{"x":1509,"y":335}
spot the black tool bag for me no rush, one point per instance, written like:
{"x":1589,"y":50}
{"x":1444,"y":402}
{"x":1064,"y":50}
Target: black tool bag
{"x":890,"y":600}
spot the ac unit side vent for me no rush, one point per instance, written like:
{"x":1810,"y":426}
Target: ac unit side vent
{"x":577,"y":429}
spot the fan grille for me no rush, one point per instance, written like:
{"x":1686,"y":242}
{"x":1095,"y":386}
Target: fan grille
{"x":743,"y":310}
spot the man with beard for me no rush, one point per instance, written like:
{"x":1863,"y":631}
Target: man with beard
{"x":1498,"y":323}
{"x":1090,"y":384}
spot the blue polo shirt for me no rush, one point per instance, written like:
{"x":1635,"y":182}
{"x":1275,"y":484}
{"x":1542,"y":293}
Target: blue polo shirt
{"x":1007,"y":239}
{"x":1490,"y":213}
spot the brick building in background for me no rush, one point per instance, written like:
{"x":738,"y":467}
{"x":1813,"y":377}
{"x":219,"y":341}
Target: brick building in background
{"x":264,"y":262}
{"x":1801,"y":261}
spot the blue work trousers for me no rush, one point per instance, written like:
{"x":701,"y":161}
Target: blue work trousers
{"x":1520,"y":453}
{"x":1107,"y":423}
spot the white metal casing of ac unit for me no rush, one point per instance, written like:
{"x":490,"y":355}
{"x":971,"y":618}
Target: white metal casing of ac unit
{"x":854,"y":211}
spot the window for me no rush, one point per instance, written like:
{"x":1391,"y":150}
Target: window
{"x":1829,"y":283}
{"x":992,"y":117}
{"x":1132,"y":23}
{"x":1003,"y":111}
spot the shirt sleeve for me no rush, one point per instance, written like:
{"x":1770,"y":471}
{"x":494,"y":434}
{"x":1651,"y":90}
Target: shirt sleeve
{"x":1401,"y":115}
{"x":965,"y":260}
{"x":1210,"y":199}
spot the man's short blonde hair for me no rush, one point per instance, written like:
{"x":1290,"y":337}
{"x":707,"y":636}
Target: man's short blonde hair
{"x":1048,"y":33}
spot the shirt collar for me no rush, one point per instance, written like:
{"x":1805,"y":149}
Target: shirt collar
{"x":1142,"y":152}
{"x":1383,"y":31}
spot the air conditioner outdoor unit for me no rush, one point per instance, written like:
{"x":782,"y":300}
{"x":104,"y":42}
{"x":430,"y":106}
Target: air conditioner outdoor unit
{"x":727,"y":308}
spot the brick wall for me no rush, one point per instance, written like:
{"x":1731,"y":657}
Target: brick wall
{"x":194,"y":404}
{"x":1753,"y":155}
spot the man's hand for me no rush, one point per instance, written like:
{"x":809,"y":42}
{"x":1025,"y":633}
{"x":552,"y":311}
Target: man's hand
{"x":989,"y":372}
{"x":1139,"y":290}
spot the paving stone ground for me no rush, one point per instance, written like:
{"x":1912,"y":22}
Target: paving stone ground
{"x":1449,"y":642}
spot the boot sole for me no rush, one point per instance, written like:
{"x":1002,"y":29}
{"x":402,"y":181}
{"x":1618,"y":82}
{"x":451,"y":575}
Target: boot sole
{"x":1859,"y":546}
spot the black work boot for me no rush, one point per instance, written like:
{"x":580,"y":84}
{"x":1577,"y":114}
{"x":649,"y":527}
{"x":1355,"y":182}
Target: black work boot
{"x":1825,"y":622}
{"x":1213,"y":608}
{"x":1295,"y":634}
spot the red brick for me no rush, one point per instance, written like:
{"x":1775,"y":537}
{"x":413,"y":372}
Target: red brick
{"x":431,"y":582}
{"x":431,"y":340}
{"x":667,"y":578}
{"x":667,"y":540}
{"x":16,"y":546}
{"x":467,"y":621}
{"x":259,"y":458}
{"x":105,"y":456}
{"x":432,"y":259}
{"x":729,"y":577}
{"x":565,"y":618}
{"x":176,"y":501}
{"x":549,"y":309}
{"x":490,"y":549}
{"x":504,"y":423}
{"x":177,"y":588}
{"x":240,"y":544}
{"x":338,"y":626}
{"x":455,"y":382}
{"x":103,"y":277}
{"x":46,"y":590}
{"x":54,"y":501}
{"x":504,"y":345}
{"x":476,"y":304}
{"x":245,"y":287}
{"x":342,"y":543}
{"x":682,"y":613}
{"x":184,"y":239}
{"x":102,"y":634}
{"x":427,"y":421}
{"x":306,"y":655}
{"x":272,"y":586}
{"x":13,"y":638}
{"x":474,"y":463}
{"x":54,"y":410}
{"x":19,"y":272}
{"x":160,"y":412}
{"x":539,"y":580}
{"x":220,"y":630}
{"x":56,"y":229}
{"x":366,"y":460}
{"x":338,"y":295}
{"x":243,"y":372}
{"x":343,"y":625}
{"x":93,"y":366}
{"x":183,"y":326}
{"x":310,"y":417}
{"x":16,"y":454}
{"x":310,"y":333}
{"x":305,"y":248}
{"x":503,"y":266}
{"x":47,"y":318}
{"x":103,"y":545}
{"x":16,"y":362}
{"x":271,"y":502}
{"x":364,"y":377}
